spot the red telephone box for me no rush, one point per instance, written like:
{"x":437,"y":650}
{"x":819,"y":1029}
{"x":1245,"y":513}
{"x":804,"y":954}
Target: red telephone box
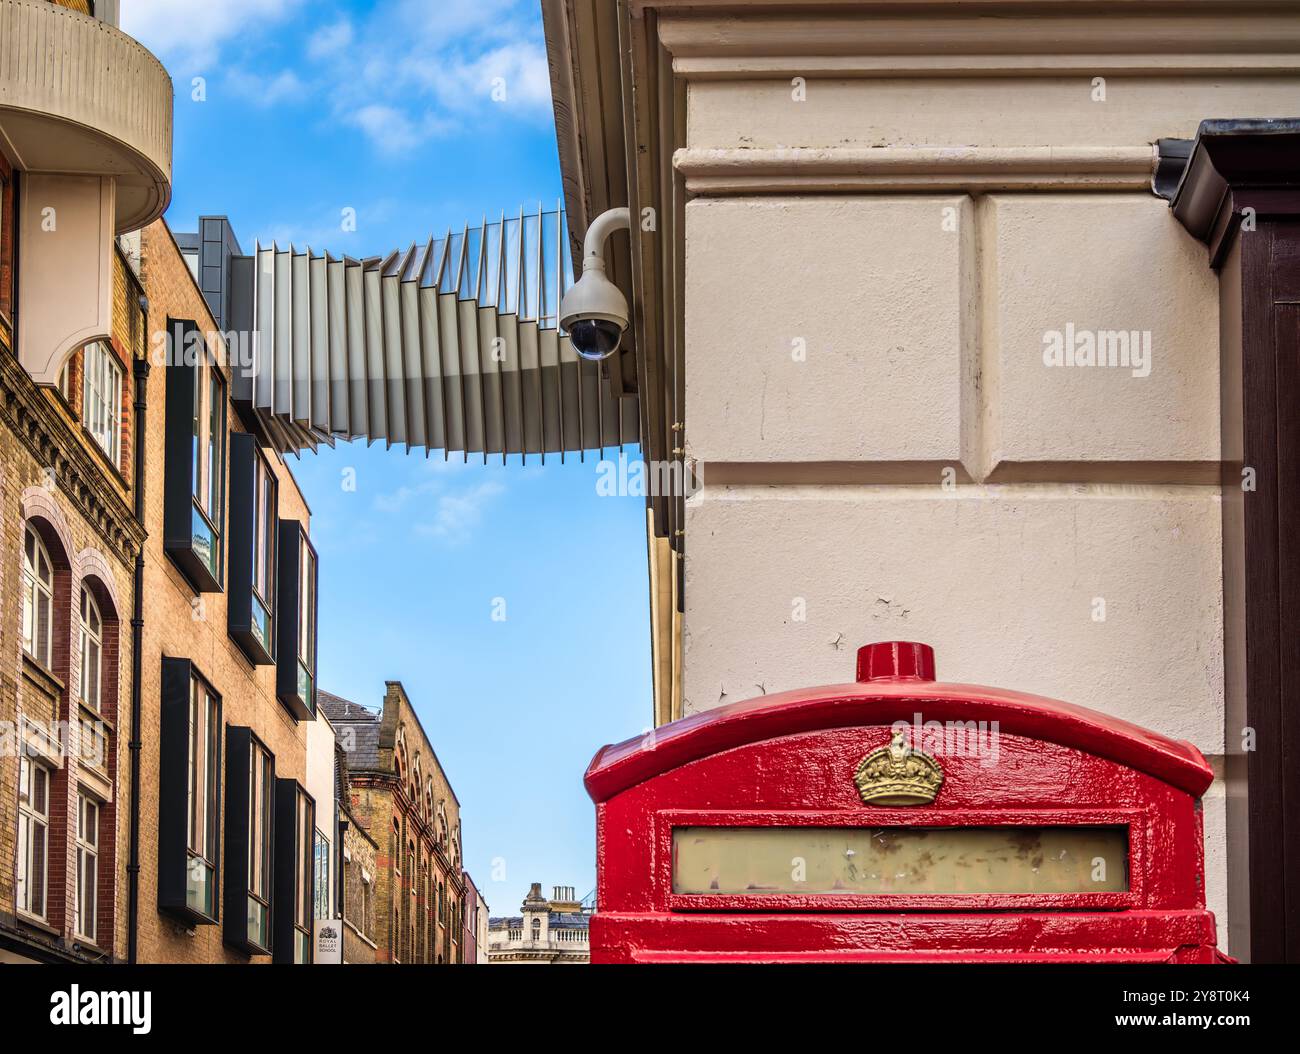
{"x":896,"y":819}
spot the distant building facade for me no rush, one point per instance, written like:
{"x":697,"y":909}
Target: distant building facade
{"x":476,"y":915}
{"x":399,"y":793}
{"x":548,"y":932}
{"x":357,"y":882}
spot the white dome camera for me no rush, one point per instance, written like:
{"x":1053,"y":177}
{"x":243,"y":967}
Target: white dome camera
{"x":594,"y":312}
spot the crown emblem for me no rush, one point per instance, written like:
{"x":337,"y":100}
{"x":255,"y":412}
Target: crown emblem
{"x":898,"y":775}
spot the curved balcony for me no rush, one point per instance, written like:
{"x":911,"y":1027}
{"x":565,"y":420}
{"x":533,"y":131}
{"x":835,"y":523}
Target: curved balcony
{"x":78,"y":96}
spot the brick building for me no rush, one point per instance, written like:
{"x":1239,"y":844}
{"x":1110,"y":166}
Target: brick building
{"x":476,"y":923}
{"x":401,"y":796}
{"x":357,"y":887}
{"x":68,"y":541}
{"x":71,"y":328}
{"x":213,"y":656}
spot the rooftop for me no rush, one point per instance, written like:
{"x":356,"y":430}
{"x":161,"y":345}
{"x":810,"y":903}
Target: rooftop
{"x":357,"y":729}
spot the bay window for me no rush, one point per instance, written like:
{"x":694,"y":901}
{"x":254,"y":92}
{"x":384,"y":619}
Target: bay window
{"x":296,"y":647}
{"x":38,"y":599}
{"x":195,"y":445}
{"x":87,"y":866}
{"x":101,"y":398}
{"x":306,"y":621}
{"x":33,"y":836}
{"x":189,"y":787}
{"x":203,"y":796}
{"x":265,"y":491}
{"x":259,"y":847}
{"x":254,"y":490}
{"x":250,"y":817}
{"x":295,"y":884}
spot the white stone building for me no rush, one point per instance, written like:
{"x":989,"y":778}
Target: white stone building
{"x":549,"y":932}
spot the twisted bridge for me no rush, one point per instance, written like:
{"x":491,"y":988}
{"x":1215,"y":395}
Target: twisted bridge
{"x":453,"y":345}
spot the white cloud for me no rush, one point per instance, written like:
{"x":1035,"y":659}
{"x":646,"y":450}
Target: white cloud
{"x":513,"y":75}
{"x":266,"y":91}
{"x":329,"y":40}
{"x":402,"y":73}
{"x":391,"y":130}
{"x":188,"y":34}
{"x":413,"y":71}
{"x":455,"y":516}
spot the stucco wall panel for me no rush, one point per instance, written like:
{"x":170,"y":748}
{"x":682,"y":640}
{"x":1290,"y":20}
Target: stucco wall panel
{"x":872,"y":287}
{"x":1004,"y":580}
{"x":972,"y":111}
{"x":1099,"y":263}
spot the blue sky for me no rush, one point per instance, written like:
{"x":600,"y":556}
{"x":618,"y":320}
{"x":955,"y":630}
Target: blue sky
{"x":305,"y":110}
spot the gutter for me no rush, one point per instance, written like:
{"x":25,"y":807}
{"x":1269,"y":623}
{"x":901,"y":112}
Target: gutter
{"x":140,"y":373}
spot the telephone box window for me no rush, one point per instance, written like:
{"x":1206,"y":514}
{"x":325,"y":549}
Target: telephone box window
{"x":754,"y":861}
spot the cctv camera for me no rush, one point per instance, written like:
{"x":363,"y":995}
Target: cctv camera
{"x":594,"y":312}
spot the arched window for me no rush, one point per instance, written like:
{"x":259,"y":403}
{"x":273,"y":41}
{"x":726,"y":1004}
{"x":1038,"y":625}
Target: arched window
{"x":537,"y":929}
{"x":38,"y":599}
{"x":92,"y":651}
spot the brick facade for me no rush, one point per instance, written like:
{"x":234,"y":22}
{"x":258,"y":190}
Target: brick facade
{"x":402,"y":797}
{"x":180,"y":624}
{"x":359,"y":869}
{"x":55,"y":478}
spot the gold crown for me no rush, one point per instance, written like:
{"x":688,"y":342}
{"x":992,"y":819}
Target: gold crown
{"x":898,"y":775}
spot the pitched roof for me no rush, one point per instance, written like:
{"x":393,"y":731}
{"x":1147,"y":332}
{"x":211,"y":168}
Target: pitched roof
{"x":358,"y":729}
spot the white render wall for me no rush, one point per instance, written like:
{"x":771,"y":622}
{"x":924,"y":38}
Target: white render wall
{"x":884,"y":452}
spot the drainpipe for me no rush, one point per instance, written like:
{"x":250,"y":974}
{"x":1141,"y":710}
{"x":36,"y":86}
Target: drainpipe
{"x":140,"y":373}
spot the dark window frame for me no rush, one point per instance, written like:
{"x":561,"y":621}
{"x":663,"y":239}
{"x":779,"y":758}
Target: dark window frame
{"x":242,"y":528}
{"x":180,"y":502}
{"x":240,"y":744}
{"x":289,"y":859}
{"x":293,"y":540}
{"x":173,"y":794}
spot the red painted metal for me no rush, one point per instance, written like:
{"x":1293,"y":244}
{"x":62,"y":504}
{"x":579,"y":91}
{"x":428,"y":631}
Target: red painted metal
{"x":789,"y":759}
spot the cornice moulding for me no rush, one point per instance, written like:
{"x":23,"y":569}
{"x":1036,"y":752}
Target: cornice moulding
{"x":750,"y":171}
{"x":83,"y":484}
{"x":875,"y":40}
{"x":697,"y":68}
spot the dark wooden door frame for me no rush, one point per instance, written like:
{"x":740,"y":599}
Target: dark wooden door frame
{"x":1240,"y":194}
